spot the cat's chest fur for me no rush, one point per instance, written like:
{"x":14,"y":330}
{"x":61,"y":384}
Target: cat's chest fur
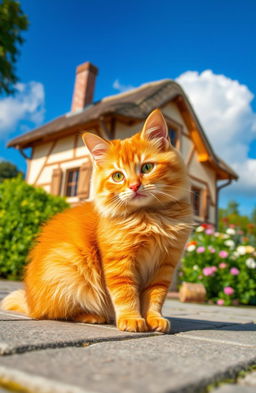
{"x":148,"y":260}
{"x":153,"y":237}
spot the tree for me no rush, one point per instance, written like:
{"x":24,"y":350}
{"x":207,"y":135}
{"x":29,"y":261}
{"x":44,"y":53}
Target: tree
{"x":254,"y":216}
{"x":8,"y":170}
{"x":231,"y":216}
{"x":12,"y":23}
{"x":232,"y":208}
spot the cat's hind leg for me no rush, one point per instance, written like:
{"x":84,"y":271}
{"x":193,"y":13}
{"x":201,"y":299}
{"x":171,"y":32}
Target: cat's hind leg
{"x":89,"y":318}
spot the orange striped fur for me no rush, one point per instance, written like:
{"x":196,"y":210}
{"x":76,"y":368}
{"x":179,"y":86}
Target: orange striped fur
{"x":112,"y":259}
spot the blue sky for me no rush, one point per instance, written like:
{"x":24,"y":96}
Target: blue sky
{"x":136,"y":42}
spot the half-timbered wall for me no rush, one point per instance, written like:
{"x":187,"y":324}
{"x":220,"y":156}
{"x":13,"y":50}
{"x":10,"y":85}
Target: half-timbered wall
{"x":51,"y":162}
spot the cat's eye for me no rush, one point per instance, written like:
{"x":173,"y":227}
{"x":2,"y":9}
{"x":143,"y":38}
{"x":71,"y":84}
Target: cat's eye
{"x":118,"y":177}
{"x":147,"y":167}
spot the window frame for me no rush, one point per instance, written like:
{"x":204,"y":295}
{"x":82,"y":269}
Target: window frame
{"x":197,"y":188}
{"x":177,"y":127}
{"x":68,"y":170}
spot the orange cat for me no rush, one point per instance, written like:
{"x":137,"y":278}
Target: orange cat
{"x":112,"y":259}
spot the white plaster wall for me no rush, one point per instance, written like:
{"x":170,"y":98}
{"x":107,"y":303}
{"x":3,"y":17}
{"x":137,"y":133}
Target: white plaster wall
{"x":81,"y":149}
{"x":39,"y":156}
{"x":46,"y":174}
{"x":124,"y":131}
{"x":173,"y":112}
{"x":202,"y":172}
{"x":63,"y":150}
{"x":186,"y":146}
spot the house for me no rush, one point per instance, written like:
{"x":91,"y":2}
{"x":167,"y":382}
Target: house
{"x":61,"y":165}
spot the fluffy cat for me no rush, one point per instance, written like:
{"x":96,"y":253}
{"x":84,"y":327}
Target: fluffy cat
{"x":112,"y":259}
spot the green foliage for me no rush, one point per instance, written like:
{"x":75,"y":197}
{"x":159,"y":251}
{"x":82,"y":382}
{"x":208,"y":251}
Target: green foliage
{"x":23,"y":209}
{"x":225,"y":263}
{"x":8,"y":171}
{"x":13,"y":22}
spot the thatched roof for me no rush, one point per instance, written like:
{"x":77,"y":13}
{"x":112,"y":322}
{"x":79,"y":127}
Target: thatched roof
{"x":135,"y":104}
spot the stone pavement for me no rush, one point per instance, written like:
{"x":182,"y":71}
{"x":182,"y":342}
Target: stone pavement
{"x":208,"y":346}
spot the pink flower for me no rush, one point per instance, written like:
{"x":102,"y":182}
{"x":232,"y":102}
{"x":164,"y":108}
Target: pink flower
{"x":234,"y":271}
{"x":220,"y":302}
{"x":209,"y":231}
{"x":200,"y":250}
{"x":228,"y":291}
{"x":209,"y":270}
{"x":222,"y":265}
{"x":214,"y":269}
{"x":223,"y":254}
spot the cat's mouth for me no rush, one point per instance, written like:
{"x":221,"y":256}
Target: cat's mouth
{"x":138,"y":195}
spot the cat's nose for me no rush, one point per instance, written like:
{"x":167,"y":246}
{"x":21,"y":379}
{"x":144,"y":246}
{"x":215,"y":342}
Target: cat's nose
{"x":134,"y":187}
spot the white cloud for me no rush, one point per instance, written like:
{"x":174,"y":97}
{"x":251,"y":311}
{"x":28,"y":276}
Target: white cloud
{"x":121,"y":88}
{"x":26,"y":105}
{"x":224,"y":109}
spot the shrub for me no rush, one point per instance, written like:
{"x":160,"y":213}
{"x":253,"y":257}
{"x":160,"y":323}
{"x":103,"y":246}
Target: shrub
{"x":23,"y":209}
{"x":224,"y":262}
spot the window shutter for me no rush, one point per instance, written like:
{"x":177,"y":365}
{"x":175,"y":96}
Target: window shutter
{"x":207,"y":203}
{"x":56,"y":181}
{"x":83,"y":190}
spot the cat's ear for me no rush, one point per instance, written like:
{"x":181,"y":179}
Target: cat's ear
{"x":96,"y":145}
{"x":155,"y":129}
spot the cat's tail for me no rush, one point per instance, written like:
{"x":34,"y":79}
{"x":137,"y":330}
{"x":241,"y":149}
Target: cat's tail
{"x":15,"y":301}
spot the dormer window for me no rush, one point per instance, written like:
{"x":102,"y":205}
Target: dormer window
{"x":172,"y":135}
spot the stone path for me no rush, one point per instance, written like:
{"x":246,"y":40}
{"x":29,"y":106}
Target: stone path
{"x":208,"y":344}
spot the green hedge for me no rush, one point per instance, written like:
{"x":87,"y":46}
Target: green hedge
{"x":23,"y":209}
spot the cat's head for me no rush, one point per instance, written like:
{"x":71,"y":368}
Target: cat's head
{"x":141,"y":172}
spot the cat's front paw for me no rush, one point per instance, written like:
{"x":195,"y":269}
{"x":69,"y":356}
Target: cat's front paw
{"x":132,"y":324}
{"x":159,"y":324}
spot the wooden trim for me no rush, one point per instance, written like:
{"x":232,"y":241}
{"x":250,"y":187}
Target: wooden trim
{"x":198,"y":179}
{"x":46,"y":160}
{"x":92,"y":125}
{"x":67,"y":160}
{"x":75,"y":145}
{"x":185,"y":134}
{"x":173,"y":122}
{"x":190,"y":155}
{"x":42,"y":184}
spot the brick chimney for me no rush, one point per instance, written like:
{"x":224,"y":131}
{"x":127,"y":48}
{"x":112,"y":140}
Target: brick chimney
{"x":84,"y":86}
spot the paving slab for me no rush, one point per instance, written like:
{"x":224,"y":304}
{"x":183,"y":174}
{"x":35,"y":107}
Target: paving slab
{"x":249,"y":379}
{"x":28,"y":335}
{"x":159,"y":364}
{"x":239,"y":314}
{"x":236,"y":334}
{"x":9,"y":286}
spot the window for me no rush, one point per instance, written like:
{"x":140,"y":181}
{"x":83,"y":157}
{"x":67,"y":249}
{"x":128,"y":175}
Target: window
{"x":172,"y":135}
{"x":196,"y":200}
{"x":72,"y":176}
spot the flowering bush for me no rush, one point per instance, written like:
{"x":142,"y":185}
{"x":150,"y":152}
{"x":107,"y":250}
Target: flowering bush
{"x":225,"y":263}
